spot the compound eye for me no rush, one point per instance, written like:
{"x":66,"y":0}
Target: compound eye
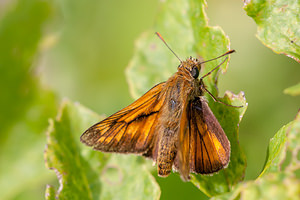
{"x":195,"y":72}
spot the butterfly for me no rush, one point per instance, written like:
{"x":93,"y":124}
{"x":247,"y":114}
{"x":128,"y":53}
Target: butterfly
{"x":171,"y":124}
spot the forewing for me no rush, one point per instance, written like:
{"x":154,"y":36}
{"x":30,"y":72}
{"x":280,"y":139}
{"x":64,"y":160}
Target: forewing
{"x":209,"y":146}
{"x":131,"y":130}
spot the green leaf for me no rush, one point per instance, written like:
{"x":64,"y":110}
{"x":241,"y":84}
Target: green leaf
{"x":50,"y":193}
{"x":20,"y":34}
{"x":183,"y":24}
{"x":86,"y":174}
{"x":278,"y":25}
{"x":286,"y":142}
{"x":272,"y":186}
{"x":21,"y":154}
{"x":280,"y":176}
{"x":293,"y":90}
{"x":26,"y":105}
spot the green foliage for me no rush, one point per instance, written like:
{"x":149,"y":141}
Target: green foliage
{"x":25,"y":104}
{"x":153,"y":63}
{"x":282,"y":145}
{"x":277,"y":25}
{"x":293,"y":90}
{"x":86,"y":174}
{"x":280,"y":176}
{"x":20,"y":34}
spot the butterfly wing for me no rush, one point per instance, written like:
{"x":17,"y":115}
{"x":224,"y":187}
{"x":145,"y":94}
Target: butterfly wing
{"x":203,"y":145}
{"x":131,"y":130}
{"x":209,"y":146}
{"x":184,"y":144}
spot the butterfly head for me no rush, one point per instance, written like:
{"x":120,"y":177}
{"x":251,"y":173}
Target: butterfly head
{"x":191,"y":67}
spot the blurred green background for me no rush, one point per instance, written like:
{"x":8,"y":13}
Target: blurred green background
{"x":80,"y":49}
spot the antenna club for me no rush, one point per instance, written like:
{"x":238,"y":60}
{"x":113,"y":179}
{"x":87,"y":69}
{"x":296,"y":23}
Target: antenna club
{"x":230,"y":52}
{"x":159,"y":35}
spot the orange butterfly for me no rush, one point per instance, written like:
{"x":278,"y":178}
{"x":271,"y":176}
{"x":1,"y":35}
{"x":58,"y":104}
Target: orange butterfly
{"x":172,"y":124}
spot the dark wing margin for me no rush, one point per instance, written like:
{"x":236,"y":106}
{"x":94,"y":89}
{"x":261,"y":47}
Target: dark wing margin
{"x":130,"y":130}
{"x":209,"y":146}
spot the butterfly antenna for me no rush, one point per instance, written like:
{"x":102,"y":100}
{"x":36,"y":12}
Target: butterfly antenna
{"x":162,"y":39}
{"x":214,"y":68}
{"x":227,"y":53}
{"x":210,"y":94}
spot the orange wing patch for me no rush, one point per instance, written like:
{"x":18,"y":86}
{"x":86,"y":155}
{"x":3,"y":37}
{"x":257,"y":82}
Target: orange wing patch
{"x":210,"y":148}
{"x":203,"y":142}
{"x":131,"y":130}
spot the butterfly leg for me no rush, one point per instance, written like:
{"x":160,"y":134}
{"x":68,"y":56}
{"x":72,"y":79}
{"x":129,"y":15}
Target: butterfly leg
{"x":217,"y":100}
